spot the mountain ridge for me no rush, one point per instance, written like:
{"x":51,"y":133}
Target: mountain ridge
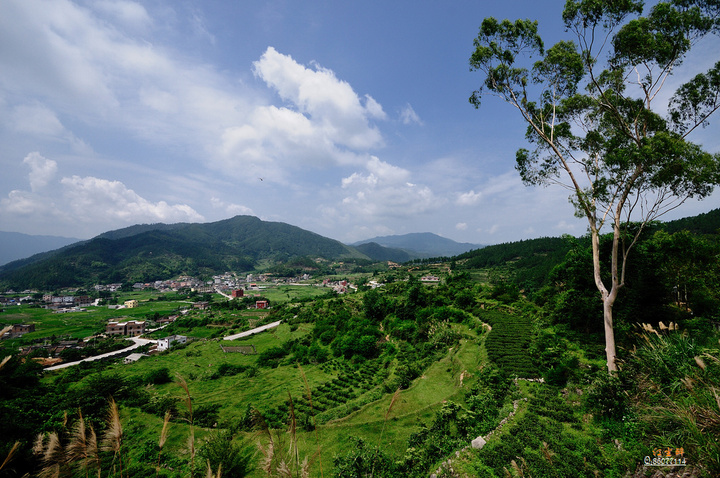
{"x":16,"y":245}
{"x":149,"y":252}
{"x":422,"y":244}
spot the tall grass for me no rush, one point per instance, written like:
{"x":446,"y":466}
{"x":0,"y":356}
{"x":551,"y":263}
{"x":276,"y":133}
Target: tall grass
{"x":188,"y":404}
{"x":679,"y":395}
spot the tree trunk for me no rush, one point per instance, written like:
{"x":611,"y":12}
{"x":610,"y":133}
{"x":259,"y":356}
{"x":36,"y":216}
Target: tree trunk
{"x":608,"y":297}
{"x":608,"y":302}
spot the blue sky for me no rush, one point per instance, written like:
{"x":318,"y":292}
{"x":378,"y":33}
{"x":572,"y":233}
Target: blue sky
{"x":349,"y":119}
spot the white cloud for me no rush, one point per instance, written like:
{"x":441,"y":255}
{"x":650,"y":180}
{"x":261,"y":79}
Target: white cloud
{"x":42,"y":123}
{"x":21,"y":203}
{"x":42,"y":170}
{"x":230,"y":208}
{"x":468,"y":199}
{"x":129,"y":13}
{"x":330,"y":103}
{"x":374,"y":108}
{"x":94,"y":198}
{"x":461,"y":226}
{"x":324,"y":123}
{"x":408,"y":115}
{"x":385,"y":192}
{"x":83,"y":206}
{"x":37,"y":119}
{"x":96,"y":70}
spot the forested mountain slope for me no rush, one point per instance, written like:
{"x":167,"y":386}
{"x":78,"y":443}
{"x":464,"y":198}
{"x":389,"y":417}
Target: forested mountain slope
{"x":146,"y":253}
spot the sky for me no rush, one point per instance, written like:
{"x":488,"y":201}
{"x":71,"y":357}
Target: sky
{"x":348,"y":119}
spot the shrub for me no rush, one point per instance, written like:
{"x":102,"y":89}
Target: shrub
{"x":158,"y":376}
{"x":606,"y":397}
{"x":220,"y":451}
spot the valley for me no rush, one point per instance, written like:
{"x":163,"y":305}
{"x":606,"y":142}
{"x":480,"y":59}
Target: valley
{"x":378,"y":368}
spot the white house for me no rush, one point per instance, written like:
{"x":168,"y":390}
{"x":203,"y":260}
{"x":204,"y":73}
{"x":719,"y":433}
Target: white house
{"x":167,"y":342}
{"x":133,"y":358}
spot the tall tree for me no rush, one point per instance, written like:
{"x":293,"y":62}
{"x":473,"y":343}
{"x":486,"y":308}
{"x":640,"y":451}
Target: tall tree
{"x":594,"y":115}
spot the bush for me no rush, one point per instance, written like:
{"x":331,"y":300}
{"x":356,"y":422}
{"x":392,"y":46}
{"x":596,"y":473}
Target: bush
{"x":606,"y":397}
{"x":220,"y":451}
{"x":158,"y":376}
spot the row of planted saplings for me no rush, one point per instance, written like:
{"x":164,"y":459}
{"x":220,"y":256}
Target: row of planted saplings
{"x":329,"y":395}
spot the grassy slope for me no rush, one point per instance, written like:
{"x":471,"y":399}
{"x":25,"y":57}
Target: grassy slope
{"x":270,"y":387}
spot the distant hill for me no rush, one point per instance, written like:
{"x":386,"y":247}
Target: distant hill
{"x":151,"y":252}
{"x":527,"y":262}
{"x":377,"y":252}
{"x":19,"y":246}
{"x":705,"y":223}
{"x":422,"y":245}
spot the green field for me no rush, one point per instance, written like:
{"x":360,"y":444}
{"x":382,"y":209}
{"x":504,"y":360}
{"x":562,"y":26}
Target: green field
{"x":270,"y":388}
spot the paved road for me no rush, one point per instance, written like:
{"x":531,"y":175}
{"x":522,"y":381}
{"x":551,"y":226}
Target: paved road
{"x":254,"y":331}
{"x":138,"y":343}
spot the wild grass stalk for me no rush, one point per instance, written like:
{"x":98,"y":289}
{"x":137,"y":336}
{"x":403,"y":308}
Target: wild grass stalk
{"x":53,"y":456}
{"x":83,"y":448}
{"x":308,"y":396}
{"x":191,"y":439}
{"x":395,"y":396}
{"x":276,"y":461}
{"x":11,"y":454}
{"x":113,"y":437}
{"x":162,"y":440}
{"x":210,"y":474}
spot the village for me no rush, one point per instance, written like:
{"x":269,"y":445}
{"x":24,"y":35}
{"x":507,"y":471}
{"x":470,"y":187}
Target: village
{"x":52,"y":351}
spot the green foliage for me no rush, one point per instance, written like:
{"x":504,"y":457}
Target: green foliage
{"x":155,"y":252}
{"x":221,"y":452}
{"x":593,"y":119}
{"x":159,"y":376}
{"x":364,"y":460}
{"x":509,"y":341}
{"x":541,"y":445}
{"x":556,"y":364}
{"x":528,"y":261}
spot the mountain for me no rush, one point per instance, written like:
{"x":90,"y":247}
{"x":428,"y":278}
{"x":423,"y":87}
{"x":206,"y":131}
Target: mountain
{"x":377,"y":252}
{"x":160,"y":251}
{"x":18,"y":246}
{"x":705,"y":223}
{"x":422,"y":244}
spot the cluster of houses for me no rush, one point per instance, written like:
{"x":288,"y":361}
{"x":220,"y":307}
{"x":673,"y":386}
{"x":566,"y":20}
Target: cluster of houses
{"x":18,"y":330}
{"x":131,"y":328}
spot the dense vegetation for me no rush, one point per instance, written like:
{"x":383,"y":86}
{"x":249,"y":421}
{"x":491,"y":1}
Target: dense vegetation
{"x":158,"y":252}
{"x":398,"y":380}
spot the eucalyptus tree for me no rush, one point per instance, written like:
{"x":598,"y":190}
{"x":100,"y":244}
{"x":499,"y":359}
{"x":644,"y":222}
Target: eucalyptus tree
{"x":599,"y":118}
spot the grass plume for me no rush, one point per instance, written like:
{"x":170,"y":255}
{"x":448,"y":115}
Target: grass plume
{"x":163,"y":439}
{"x":10,"y":454}
{"x":113,"y":436}
{"x":188,"y":404}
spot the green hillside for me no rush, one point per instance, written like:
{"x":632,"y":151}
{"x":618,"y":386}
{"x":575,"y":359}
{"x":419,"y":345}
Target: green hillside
{"x":394,"y":381}
{"x":147,"y":253}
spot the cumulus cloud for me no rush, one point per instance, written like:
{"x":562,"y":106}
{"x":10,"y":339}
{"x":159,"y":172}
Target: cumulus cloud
{"x":42,"y":170}
{"x":461,"y":226}
{"x":230,"y":208}
{"x":86,"y":204}
{"x":331,"y":104}
{"x":384,"y":191}
{"x":408,"y":115}
{"x":468,"y":199}
{"x":93,"y":197}
{"x":21,"y":203}
{"x":323,"y":123}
